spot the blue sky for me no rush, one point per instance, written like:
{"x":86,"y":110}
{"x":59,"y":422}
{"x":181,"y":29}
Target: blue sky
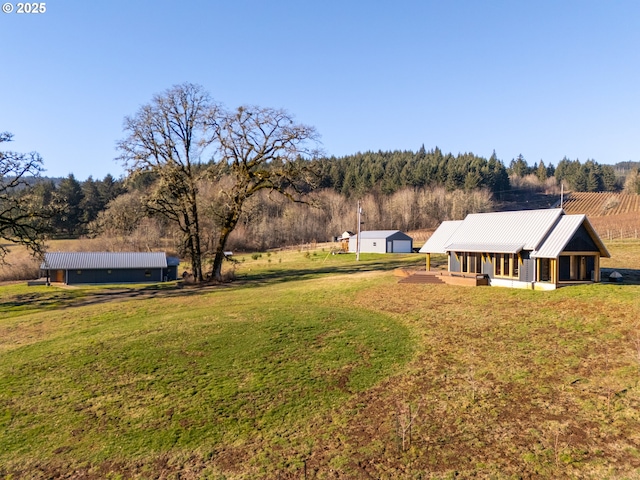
{"x":544,"y":79}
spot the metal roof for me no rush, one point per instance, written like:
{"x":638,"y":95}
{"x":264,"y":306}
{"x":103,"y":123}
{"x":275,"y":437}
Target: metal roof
{"x":526,"y":228}
{"x":381,"y":234}
{"x":439,"y":239}
{"x":485,"y":247}
{"x":562,"y":233}
{"x":544,"y":232}
{"x":103,"y":260}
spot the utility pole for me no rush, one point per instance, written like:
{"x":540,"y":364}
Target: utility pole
{"x":358,"y":234}
{"x":561,"y":194}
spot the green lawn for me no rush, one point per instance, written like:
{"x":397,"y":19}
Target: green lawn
{"x":313,"y":365}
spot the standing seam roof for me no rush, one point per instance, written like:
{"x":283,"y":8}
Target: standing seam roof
{"x":526,"y":227}
{"x":440,"y":238}
{"x":103,"y":260}
{"x":380,"y":233}
{"x":561,"y":235}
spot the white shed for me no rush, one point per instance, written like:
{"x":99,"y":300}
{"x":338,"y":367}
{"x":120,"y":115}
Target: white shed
{"x":382,"y":241}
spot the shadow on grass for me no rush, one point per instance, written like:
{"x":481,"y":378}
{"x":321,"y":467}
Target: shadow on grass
{"x":286,"y":275}
{"x":60,"y":299}
{"x":630,"y":276}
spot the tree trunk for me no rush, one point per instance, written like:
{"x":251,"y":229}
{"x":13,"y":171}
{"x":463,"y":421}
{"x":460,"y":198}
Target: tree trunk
{"x":228,"y":226}
{"x":192,"y":244}
{"x":197,"y":250}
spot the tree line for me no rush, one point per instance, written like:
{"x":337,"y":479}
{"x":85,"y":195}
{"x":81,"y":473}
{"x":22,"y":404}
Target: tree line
{"x":589,"y":176}
{"x":75,"y":204}
{"x":388,"y":172}
{"x":212,"y":178}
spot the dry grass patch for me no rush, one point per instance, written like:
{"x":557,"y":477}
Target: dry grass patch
{"x":548,"y":389}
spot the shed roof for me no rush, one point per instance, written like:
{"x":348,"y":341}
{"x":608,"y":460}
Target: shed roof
{"x":381,"y":234}
{"x":103,"y":260}
{"x":562,"y":233}
{"x":440,"y":238}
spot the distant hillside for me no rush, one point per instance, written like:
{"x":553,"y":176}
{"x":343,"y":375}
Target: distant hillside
{"x":598,"y":204}
{"x":613,"y":215}
{"x":527,"y":200}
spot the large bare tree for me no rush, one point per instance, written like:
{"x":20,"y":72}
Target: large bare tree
{"x":252,"y":149}
{"x":257,"y":149}
{"x":168,"y":137}
{"x":22,"y":217}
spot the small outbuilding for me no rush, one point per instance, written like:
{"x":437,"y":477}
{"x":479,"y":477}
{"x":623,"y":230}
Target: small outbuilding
{"x":109,"y":267}
{"x":381,"y":241}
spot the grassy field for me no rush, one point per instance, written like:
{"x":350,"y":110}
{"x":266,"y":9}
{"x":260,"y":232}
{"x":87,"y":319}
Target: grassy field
{"x":313,"y":366}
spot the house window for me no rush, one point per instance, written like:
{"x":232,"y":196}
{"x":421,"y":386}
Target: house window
{"x":506,"y":265}
{"x":545,"y":270}
{"x":147,"y":273}
{"x":374,"y":244}
{"x":109,"y":272}
{"x":78,"y":272}
{"x":470,"y":262}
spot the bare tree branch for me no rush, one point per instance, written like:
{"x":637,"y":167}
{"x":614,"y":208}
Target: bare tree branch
{"x":260,"y":149}
{"x":168,"y":137}
{"x":22,"y":219}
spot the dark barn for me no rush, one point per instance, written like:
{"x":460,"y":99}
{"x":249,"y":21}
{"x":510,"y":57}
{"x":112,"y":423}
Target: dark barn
{"x":109,"y":267}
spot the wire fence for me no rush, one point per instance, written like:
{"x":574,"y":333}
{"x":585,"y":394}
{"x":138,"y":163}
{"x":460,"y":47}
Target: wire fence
{"x":618,"y":233}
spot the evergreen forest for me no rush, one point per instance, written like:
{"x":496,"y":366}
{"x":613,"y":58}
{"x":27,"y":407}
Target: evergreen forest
{"x":403,"y":190}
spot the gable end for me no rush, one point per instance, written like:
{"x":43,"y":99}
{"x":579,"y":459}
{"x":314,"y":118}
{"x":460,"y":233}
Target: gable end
{"x":581,"y":242}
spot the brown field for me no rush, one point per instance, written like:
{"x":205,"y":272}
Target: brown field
{"x":598,"y":204}
{"x":613,"y":215}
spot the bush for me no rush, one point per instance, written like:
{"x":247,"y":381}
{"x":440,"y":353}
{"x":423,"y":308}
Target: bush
{"x":20,"y":265}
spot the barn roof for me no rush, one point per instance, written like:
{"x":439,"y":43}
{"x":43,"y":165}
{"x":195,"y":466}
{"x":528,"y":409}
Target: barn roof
{"x":103,"y":260}
{"x":381,"y":234}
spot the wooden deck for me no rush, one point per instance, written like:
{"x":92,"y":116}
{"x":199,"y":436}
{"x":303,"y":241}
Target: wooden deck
{"x":441,"y":277}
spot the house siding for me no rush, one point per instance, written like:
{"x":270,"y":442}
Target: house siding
{"x":487,"y":266}
{"x":116,"y":276}
{"x":528,"y":267}
{"x":454,"y":265}
{"x":370,"y":245}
